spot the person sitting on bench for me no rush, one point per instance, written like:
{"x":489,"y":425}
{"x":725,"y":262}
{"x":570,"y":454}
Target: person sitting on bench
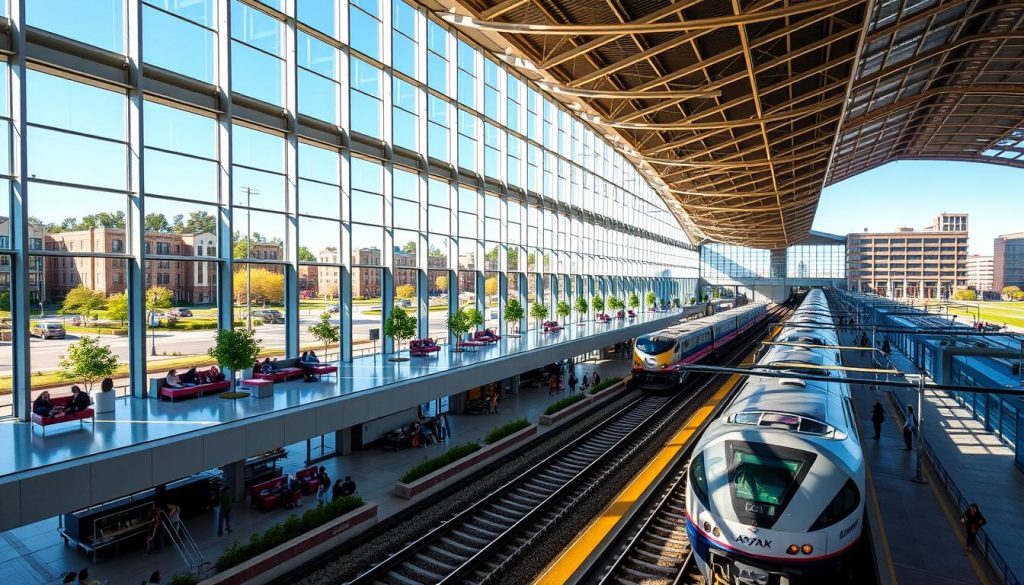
{"x":42,"y":405}
{"x":79,"y":400}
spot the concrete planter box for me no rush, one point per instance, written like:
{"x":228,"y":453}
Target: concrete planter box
{"x":288,"y":556}
{"x":574,"y":410}
{"x":445,"y":476}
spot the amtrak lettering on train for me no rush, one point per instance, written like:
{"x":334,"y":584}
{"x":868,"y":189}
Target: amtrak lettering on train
{"x":775,"y":490}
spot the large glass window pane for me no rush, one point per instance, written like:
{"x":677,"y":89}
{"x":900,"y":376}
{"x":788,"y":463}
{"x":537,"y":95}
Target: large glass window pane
{"x":94,"y":22}
{"x":173,"y":129}
{"x":365,"y":99}
{"x":367,"y":284}
{"x":364,"y":27}
{"x":259,"y":298}
{"x":255,"y":73}
{"x":367,"y":243}
{"x":62,"y":103}
{"x":318,"y":96}
{"x":318,"y":14}
{"x":177,"y":45}
{"x":181,"y":176}
{"x":256,"y":28}
{"x":71,"y":158}
{"x":319,"y":199}
{"x":66,"y":209}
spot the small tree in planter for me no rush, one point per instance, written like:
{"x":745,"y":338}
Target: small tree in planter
{"x":539,"y":311}
{"x":399,"y":326}
{"x":513,"y":314}
{"x":325,"y":332}
{"x":235,"y":350}
{"x":475,"y":317}
{"x":581,"y":308}
{"x":634,"y":300}
{"x":652,"y":298}
{"x":676,"y":303}
{"x":458,"y":325}
{"x":87,"y":361}
{"x":562,"y":309}
{"x":598,"y":303}
{"x":615,"y":304}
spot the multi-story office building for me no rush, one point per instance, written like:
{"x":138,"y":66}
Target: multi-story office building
{"x":1008,"y":261}
{"x":979,"y":272}
{"x":36,"y":274}
{"x":930,"y":263}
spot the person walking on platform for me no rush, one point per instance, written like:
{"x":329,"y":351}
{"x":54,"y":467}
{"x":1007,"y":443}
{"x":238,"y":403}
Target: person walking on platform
{"x":494,"y":403}
{"x":863,"y":343}
{"x":572,"y":381}
{"x":596,"y":380}
{"x":886,"y":348}
{"x":972,"y":521}
{"x":909,"y":428}
{"x":877,"y":417}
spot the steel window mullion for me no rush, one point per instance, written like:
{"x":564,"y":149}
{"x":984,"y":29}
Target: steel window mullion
{"x":18,"y":194}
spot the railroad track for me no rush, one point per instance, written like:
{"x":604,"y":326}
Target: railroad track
{"x":657,"y":549}
{"x":486,"y":539}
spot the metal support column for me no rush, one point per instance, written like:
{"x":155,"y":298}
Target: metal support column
{"x":136,"y":232}
{"x":225,"y":244}
{"x":291,"y":243}
{"x":21,"y":367}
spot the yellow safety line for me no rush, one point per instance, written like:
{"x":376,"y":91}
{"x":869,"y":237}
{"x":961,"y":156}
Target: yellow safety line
{"x":563,"y":567}
{"x":878,"y":510}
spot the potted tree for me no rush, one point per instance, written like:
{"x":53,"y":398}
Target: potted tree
{"x":458,"y":325}
{"x":234,"y":351}
{"x":87,"y":361}
{"x":325,"y":332}
{"x":539,"y":311}
{"x":399,"y":326}
{"x":475,"y":317}
{"x":598,"y":304}
{"x":634,"y":300}
{"x":652,"y":300}
{"x":562,"y":309}
{"x":513,"y":314}
{"x":676,"y":303}
{"x":581,"y":308}
{"x":616,"y":305}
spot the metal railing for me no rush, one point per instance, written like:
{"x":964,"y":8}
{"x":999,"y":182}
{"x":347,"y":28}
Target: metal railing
{"x":186,"y":546}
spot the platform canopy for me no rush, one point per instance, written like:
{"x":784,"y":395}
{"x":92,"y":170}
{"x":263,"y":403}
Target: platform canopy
{"x":741,"y":111}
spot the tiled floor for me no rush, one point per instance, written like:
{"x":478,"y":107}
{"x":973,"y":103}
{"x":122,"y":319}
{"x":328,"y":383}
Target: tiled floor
{"x":926,"y":546}
{"x":137,"y":421}
{"x":35,"y":554}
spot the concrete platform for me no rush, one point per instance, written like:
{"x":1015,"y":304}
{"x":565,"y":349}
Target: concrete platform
{"x":146,"y":442}
{"x":917,"y":537}
{"x":35,"y":555}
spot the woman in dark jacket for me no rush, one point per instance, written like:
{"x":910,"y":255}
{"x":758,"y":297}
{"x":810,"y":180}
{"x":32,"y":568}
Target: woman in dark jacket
{"x":42,"y":405}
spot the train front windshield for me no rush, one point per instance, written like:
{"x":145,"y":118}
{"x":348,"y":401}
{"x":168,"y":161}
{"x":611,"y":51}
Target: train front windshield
{"x":654,"y":345}
{"x":762,"y":484}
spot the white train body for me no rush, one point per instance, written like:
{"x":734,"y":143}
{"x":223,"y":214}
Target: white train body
{"x":776,"y":484}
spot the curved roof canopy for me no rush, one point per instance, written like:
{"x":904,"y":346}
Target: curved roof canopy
{"x":743,"y":110}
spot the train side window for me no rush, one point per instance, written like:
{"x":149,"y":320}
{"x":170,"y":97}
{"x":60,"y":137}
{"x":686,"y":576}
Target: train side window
{"x":699,"y":480}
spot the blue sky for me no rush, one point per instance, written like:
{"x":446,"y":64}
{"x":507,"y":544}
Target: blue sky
{"x":911,"y":193}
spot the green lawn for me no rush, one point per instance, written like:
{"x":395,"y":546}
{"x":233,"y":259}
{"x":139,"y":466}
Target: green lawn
{"x":993,"y":312}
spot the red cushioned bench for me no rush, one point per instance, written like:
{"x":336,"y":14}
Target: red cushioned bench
{"x":322,"y":369}
{"x":423,"y":347}
{"x":631,"y":314}
{"x":309,"y":479}
{"x":486,"y":336}
{"x":603,"y":318}
{"x":552,"y":326}
{"x":264,"y":496}
{"x":213,"y":386}
{"x":63,"y":401}
{"x":470,"y":344}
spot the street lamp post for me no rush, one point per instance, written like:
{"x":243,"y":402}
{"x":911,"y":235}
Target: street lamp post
{"x":152,"y":327}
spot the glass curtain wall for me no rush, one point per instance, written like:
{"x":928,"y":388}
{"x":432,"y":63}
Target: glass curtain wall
{"x":218,"y":210}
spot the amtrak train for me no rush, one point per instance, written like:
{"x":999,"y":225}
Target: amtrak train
{"x":658,"y":357}
{"x":775,"y":492}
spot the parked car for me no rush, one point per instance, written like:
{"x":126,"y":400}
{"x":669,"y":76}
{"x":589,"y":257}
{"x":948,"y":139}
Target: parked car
{"x":405,"y":303}
{"x":179,"y":312}
{"x":333,"y":309}
{"x":49,"y":331}
{"x":268,"y":315}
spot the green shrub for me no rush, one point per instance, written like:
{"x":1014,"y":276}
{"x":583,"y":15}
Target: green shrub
{"x":184,"y":579}
{"x":282,"y":532}
{"x":563,"y":403}
{"x":431,"y":465}
{"x":499,"y":433}
{"x":604,"y":384}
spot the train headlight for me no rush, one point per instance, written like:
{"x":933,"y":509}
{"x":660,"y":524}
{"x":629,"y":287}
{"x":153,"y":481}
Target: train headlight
{"x":707,"y":527}
{"x":807,"y":549}
{"x":716,"y":531}
{"x":793,"y":549}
